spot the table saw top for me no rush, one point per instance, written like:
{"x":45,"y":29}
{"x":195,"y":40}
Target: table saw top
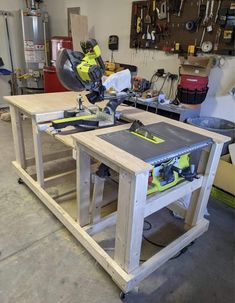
{"x":173,"y":141}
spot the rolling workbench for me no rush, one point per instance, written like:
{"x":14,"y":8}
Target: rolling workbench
{"x":133,"y":204}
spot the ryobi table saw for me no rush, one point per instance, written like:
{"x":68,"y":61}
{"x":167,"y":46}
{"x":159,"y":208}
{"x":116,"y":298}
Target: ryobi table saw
{"x":168,"y":148}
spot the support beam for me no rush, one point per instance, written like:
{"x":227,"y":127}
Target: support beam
{"x":50,"y":157}
{"x":120,"y":277}
{"x":38,"y":153}
{"x":83,"y":186}
{"x":17,"y":131}
{"x":97,"y":199}
{"x":200,"y":197}
{"x":168,"y":252}
{"x":130,"y":219}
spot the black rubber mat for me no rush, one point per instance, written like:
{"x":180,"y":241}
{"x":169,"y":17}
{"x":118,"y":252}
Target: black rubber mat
{"x":177,"y":141}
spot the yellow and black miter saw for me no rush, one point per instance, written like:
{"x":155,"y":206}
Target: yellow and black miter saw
{"x":83,"y":71}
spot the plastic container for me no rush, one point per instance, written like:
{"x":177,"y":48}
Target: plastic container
{"x":216,"y":125}
{"x":51,"y":82}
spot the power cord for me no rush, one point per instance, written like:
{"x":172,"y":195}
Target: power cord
{"x":149,"y":241}
{"x":181,"y":252}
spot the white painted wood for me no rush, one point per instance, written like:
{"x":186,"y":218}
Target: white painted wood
{"x":130,"y":219}
{"x":17,"y":131}
{"x":83,"y":186}
{"x":38,"y":153}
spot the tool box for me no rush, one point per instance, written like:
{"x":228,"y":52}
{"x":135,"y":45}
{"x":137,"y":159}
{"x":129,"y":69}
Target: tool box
{"x":188,"y":96}
{"x":193,"y":82}
{"x":193,"y":86}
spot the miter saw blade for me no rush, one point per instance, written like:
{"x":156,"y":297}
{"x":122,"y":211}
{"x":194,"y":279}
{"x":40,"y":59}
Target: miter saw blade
{"x":65,"y":70}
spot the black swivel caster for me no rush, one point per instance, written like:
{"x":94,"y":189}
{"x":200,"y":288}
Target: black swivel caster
{"x":20,"y":181}
{"x":123,"y":295}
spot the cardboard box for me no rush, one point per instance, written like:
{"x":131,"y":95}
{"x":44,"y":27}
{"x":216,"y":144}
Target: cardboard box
{"x":196,"y":66}
{"x":225,"y":175}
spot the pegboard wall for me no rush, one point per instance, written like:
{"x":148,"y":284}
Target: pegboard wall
{"x":174,"y":25}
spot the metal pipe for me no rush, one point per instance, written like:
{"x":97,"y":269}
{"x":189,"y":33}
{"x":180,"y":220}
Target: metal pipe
{"x":45,"y":43}
{"x":32,"y":4}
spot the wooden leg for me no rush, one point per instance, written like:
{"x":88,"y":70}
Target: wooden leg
{"x":130,"y":219}
{"x":38,"y":153}
{"x":97,"y":199}
{"x":83,"y":186}
{"x":18,"y":136}
{"x":200,"y":197}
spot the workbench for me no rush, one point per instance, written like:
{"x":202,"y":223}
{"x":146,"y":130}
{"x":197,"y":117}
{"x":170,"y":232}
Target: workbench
{"x":176,"y":112}
{"x":133,"y":204}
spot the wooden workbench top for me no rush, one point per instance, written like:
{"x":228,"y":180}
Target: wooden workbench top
{"x":44,"y":103}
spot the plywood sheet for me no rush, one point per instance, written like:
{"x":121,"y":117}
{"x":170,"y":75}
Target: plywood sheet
{"x":79,"y":27}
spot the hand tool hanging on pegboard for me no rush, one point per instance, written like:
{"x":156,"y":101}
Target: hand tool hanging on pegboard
{"x":187,"y":22}
{"x":180,"y":8}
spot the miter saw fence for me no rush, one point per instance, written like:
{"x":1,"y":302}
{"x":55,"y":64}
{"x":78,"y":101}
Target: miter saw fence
{"x":91,"y":117}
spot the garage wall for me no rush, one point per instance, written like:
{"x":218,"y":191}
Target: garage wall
{"x":108,"y":17}
{"x":15,"y":35}
{"x":58,"y":14}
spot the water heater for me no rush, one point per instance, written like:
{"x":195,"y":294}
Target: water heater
{"x":36,"y":51}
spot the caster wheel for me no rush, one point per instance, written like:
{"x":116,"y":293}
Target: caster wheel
{"x":20,"y":181}
{"x":123,"y":295}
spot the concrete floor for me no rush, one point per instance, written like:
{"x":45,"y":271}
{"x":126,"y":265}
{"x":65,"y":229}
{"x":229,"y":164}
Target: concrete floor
{"x":41,"y":262}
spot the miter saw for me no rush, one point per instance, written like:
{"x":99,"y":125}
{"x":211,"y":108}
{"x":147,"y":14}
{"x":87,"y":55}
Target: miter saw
{"x":79,"y":71}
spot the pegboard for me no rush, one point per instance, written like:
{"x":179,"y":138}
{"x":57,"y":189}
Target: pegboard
{"x":164,"y":34}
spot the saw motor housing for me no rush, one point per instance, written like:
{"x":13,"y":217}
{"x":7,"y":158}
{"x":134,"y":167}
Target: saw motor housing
{"x":168,"y":174}
{"x":92,"y":66}
{"x":79,"y":71}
